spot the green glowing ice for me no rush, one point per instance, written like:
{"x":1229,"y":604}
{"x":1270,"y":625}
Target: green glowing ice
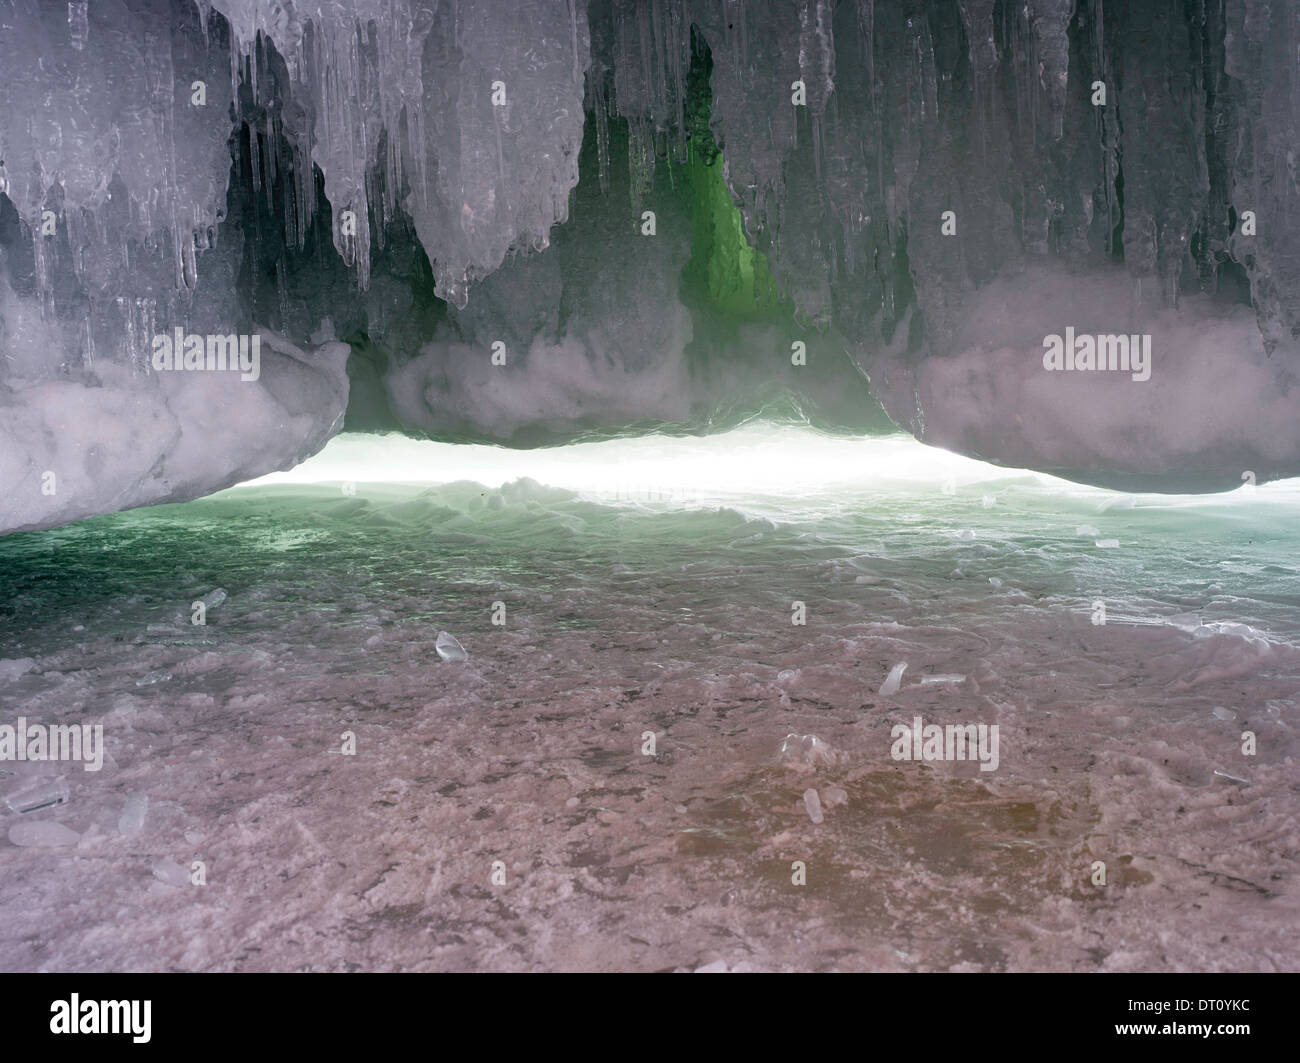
{"x":734,"y":277}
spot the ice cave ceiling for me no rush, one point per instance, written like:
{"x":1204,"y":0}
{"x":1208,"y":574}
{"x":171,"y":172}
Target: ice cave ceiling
{"x":531,"y":220}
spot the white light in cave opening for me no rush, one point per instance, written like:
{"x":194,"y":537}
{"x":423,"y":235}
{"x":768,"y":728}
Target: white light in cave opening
{"x":757,"y":460}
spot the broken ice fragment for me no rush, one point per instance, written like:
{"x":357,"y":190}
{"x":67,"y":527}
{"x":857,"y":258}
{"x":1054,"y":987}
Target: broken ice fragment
{"x":890,"y":685}
{"x":12,"y":668}
{"x":35,"y":796}
{"x":1233,"y":778}
{"x":966,"y":535}
{"x":150,"y":678}
{"x":833,"y":796}
{"x":131,"y":821}
{"x":1107,"y":544}
{"x":950,"y":678}
{"x":214,"y":598}
{"x":42,"y":832}
{"x":170,"y":872}
{"x":449,"y":649}
{"x":806,"y":749}
{"x":995,"y":581}
{"x":716,"y":967}
{"x":1087,"y":531}
{"x":1220,"y":713}
{"x":813,"y":805}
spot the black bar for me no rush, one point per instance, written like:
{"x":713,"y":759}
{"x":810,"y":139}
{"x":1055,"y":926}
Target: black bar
{"x":486,"y":1014}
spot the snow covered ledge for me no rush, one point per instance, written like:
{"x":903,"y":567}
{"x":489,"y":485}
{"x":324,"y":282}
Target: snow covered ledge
{"x":113,"y":438}
{"x":1214,"y":411}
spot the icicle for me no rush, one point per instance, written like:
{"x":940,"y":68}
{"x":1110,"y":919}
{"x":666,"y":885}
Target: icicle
{"x":87,"y":334}
{"x":189,"y":263}
{"x":255,"y":159}
{"x":816,"y":53}
{"x":79,"y":23}
{"x":41,"y":268}
{"x":742,"y":35}
{"x":573,"y":41}
{"x":680,"y":58}
{"x":817,"y":147}
{"x":657,"y":46}
{"x":272,"y":141}
{"x":641,"y":160}
{"x":1050,"y":21}
{"x":977,"y":17}
{"x":867,"y":30}
{"x":254,"y":62}
{"x":282,"y":290}
{"x":600,"y":115}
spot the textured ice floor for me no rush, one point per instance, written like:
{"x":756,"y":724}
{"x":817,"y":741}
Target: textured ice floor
{"x":654,"y":602}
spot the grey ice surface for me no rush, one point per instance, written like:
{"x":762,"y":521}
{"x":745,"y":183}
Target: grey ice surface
{"x":42,"y":833}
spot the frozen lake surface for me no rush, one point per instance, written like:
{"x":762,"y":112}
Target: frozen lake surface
{"x":501,"y":812}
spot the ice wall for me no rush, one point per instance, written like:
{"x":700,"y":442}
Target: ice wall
{"x":114,"y":132}
{"x":979,"y":162}
{"x":117,"y":137}
{"x":931,"y":189}
{"x":74,"y":449}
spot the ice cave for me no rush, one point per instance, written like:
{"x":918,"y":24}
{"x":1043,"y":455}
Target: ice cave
{"x":649,"y":485}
